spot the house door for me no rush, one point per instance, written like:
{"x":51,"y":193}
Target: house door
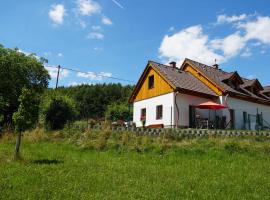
{"x":232,"y":117}
{"x":192,"y":117}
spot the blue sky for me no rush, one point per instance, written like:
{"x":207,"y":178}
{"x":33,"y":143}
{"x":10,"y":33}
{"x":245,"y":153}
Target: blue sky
{"x":117,"y":37}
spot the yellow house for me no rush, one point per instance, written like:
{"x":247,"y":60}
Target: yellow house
{"x":168,"y":96}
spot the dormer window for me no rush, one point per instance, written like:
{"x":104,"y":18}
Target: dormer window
{"x":151,"y":82}
{"x":233,"y":80}
{"x":254,"y":86}
{"x":267,"y":94}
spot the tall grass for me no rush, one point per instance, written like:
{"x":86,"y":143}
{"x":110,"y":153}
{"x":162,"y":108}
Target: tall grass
{"x":111,"y":165}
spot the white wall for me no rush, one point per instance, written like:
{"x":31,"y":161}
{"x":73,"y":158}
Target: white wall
{"x":184,"y":101}
{"x":241,"y":106}
{"x":167,"y":100}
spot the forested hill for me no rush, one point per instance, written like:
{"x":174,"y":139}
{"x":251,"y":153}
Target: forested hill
{"x":92,"y":100}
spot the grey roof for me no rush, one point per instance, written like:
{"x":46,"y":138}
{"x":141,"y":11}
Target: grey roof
{"x":218,"y":75}
{"x":182,"y":80}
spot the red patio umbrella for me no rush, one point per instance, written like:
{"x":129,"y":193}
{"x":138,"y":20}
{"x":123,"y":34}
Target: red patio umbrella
{"x":211,"y":105}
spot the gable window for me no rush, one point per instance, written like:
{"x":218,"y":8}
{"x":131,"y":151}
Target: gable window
{"x":143,"y":114}
{"x":159,"y":112}
{"x":151,"y":82}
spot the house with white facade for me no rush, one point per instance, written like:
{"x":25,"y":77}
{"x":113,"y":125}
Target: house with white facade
{"x":168,"y":96}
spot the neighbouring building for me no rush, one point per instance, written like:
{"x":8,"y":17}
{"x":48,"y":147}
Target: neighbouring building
{"x":168,"y":96}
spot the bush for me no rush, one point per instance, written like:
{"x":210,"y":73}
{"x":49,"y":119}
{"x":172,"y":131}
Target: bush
{"x":118,"y":111}
{"x":57,"y":110}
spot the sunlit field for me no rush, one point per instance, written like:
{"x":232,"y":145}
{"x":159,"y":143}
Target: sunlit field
{"x":134,"y":167}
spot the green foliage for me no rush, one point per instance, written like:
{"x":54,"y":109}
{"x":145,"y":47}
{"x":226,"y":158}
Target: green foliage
{"x":93,"y":100}
{"x":57,"y":110}
{"x":118,"y":111}
{"x":27,"y":114}
{"x":2,"y":105}
{"x":18,"y":70}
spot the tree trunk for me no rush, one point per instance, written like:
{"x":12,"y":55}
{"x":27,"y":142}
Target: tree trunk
{"x":17,"y":146}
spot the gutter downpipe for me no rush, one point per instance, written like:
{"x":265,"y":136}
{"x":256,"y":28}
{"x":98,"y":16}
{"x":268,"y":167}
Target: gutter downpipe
{"x":226,"y":104}
{"x":177,"y":109}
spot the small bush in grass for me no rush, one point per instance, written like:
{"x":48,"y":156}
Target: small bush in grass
{"x":125,"y":139}
{"x":102,"y":140}
{"x":36,"y":135}
{"x":146,"y":144}
{"x":57,"y":110}
{"x":232,"y":147}
{"x":162,"y":145}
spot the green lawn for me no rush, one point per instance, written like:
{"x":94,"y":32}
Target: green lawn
{"x":200,"y":171}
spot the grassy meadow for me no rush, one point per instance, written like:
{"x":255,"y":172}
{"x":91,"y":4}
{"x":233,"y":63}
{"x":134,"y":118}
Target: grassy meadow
{"x":106,"y":165}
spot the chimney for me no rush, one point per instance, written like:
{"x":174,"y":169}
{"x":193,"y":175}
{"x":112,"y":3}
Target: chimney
{"x":215,"y":66}
{"x":173,"y":64}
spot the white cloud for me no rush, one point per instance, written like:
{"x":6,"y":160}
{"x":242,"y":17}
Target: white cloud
{"x":189,"y":43}
{"x":97,"y":48}
{"x":48,"y":53}
{"x":53,"y":72}
{"x":60,"y":55}
{"x":106,"y":21}
{"x":29,"y":54}
{"x":258,"y":30}
{"x":230,"y":45}
{"x":94,"y":76}
{"x":229,"y":19}
{"x":88,"y":7}
{"x":193,"y":43}
{"x":57,"y":13}
{"x":74,"y":83}
{"x":246,"y":53}
{"x":82,"y":24}
{"x":96,"y":28}
{"x":95,"y":35}
{"x":172,"y":28}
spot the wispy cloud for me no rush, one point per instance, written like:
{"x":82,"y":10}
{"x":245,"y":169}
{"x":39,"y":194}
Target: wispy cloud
{"x":118,"y":4}
{"x":57,"y":13}
{"x":96,"y":28}
{"x":60,"y":54}
{"x":53,"y":72}
{"x":94,"y":76}
{"x":98,"y":48}
{"x":74,"y":83}
{"x":95,"y":35}
{"x":230,"y":19}
{"x":106,"y":21}
{"x":47,"y":53}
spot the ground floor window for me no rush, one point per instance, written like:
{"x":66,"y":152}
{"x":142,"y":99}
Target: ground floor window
{"x":143,"y":114}
{"x":159,"y":112}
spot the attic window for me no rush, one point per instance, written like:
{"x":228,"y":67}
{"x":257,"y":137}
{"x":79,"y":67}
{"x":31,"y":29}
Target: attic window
{"x":151,"y":82}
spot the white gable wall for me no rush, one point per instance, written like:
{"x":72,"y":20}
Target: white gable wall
{"x":166,"y":100}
